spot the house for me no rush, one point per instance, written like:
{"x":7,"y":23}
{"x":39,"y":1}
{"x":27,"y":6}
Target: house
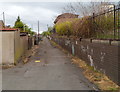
{"x":65,"y":17}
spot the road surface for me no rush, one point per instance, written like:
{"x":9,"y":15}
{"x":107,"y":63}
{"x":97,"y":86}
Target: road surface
{"x":54,"y":72}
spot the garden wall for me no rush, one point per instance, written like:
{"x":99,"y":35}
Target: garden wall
{"x":13,"y":46}
{"x":21,"y":45}
{"x":7,"y":47}
{"x":101,"y":54}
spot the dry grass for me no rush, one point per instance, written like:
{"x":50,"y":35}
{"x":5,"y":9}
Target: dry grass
{"x":4,"y":66}
{"x":29,"y":54}
{"x":96,"y":77}
{"x":24,"y":58}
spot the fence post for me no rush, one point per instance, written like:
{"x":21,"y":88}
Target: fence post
{"x":93,"y":20}
{"x":73,"y":49}
{"x":114,"y":21}
{"x":119,"y":21}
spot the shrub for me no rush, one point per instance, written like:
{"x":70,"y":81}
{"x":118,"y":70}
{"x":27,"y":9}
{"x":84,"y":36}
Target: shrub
{"x":76,"y":27}
{"x":86,"y":27}
{"x":64,"y":28}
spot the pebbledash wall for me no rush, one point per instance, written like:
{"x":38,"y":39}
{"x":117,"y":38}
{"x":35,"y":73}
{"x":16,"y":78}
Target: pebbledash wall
{"x":103,"y":55}
{"x":13,"y":46}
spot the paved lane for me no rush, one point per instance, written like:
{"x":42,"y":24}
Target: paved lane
{"x":54,"y":72}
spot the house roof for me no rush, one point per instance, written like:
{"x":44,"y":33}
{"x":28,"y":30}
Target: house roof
{"x":65,"y":16}
{"x":9,"y":29}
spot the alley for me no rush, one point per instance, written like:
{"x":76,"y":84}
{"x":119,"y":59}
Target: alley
{"x":54,"y":72}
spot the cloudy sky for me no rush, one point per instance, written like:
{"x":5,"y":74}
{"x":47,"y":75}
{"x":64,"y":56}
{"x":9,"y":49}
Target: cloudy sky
{"x":32,"y":11}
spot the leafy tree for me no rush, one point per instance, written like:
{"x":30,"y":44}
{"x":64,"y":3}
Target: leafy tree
{"x":46,"y":33}
{"x":64,"y":28}
{"x":23,"y":27}
{"x":50,"y":28}
{"x":19,"y":24}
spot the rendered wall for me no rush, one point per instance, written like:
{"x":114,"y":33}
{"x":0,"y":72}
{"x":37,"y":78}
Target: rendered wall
{"x":13,"y":46}
{"x":0,"y":47}
{"x":8,"y":47}
{"x":21,"y":45}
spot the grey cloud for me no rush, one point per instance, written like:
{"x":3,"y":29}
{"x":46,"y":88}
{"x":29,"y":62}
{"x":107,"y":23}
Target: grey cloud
{"x":31,"y":12}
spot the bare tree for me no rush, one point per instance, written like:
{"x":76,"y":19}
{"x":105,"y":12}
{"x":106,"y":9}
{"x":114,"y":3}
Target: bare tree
{"x":69,"y":8}
{"x":85,"y":8}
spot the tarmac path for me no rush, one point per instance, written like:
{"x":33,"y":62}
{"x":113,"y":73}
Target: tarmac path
{"x":54,"y":72}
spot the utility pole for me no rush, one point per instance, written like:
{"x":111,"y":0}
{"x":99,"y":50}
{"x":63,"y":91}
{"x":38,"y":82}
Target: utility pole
{"x":38,"y":31}
{"x":47,"y":26}
{"x":4,"y":18}
{"x":38,"y":27}
{"x":32,"y":26}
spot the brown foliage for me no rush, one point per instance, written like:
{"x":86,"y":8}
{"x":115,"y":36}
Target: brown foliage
{"x":82,"y":27}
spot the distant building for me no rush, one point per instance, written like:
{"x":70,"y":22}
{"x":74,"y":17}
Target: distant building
{"x":2,"y":24}
{"x":65,"y":17}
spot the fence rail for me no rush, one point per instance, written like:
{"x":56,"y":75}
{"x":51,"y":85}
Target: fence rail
{"x":107,"y":23}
